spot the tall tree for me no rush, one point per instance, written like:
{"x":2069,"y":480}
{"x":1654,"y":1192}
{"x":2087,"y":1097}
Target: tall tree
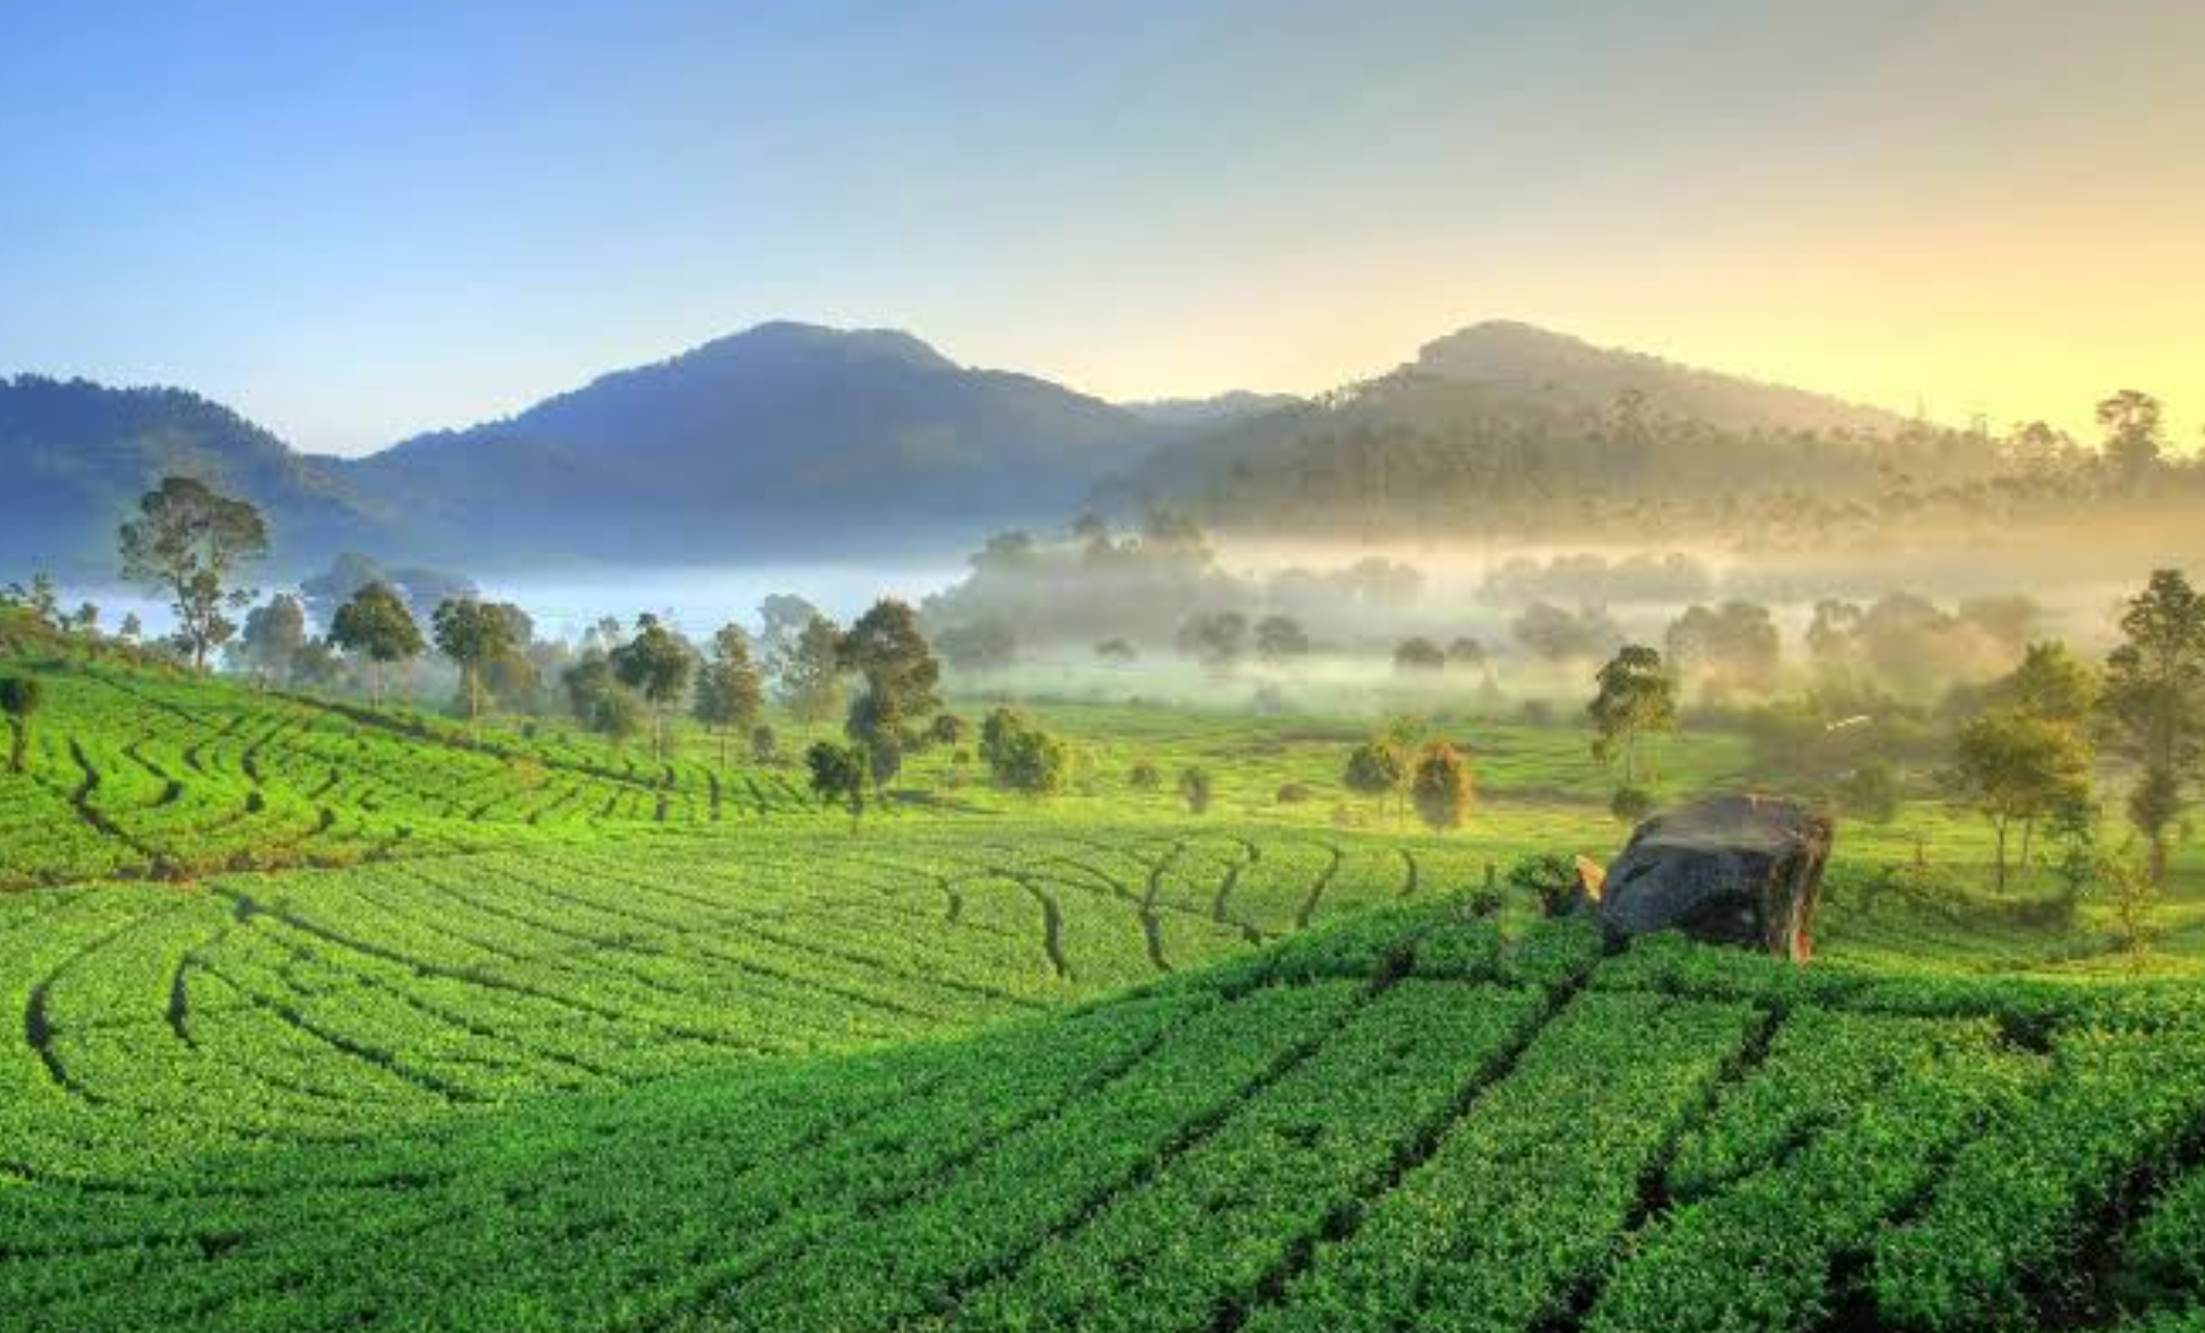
{"x":656,"y":664}
{"x":473,"y":634}
{"x":274,"y":634}
{"x":810,"y":675}
{"x":782,"y":620}
{"x":2015,"y":769}
{"x":187,"y":540}
{"x":2134,"y":437}
{"x":20,"y":697}
{"x":2152,"y":704}
{"x":2052,"y":686}
{"x":376,"y":625}
{"x":888,"y":651}
{"x":730,"y":692}
{"x":1636,"y":698}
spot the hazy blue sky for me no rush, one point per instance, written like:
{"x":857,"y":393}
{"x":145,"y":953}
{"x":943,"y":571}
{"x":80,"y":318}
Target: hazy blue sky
{"x":354,"y":222}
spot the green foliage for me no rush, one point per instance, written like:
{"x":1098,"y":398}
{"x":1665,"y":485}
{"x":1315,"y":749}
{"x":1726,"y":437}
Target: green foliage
{"x":20,"y":698}
{"x":840,"y":775}
{"x":1196,"y":790}
{"x":1377,"y":768}
{"x":657,"y":664}
{"x":1551,"y":879}
{"x":2013,"y":768}
{"x":1144,"y":776}
{"x":1023,"y":757}
{"x":1630,"y":804}
{"x":2015,"y":1202}
{"x":1869,"y":792}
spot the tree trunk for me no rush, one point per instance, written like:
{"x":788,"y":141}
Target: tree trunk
{"x":2159,"y":856}
{"x":2028,"y":837}
{"x":19,"y":744}
{"x":1999,"y":881}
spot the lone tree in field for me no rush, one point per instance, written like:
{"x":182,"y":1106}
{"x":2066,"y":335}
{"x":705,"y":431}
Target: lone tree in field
{"x":810,"y":672}
{"x":2015,"y":769}
{"x":473,"y":634}
{"x":20,"y":697}
{"x":730,"y":692}
{"x":656,"y":664}
{"x":187,"y":540}
{"x":1196,"y":789}
{"x":888,"y":651}
{"x":2153,"y":704}
{"x":275,"y":634}
{"x":1378,"y":768}
{"x":1442,"y":788}
{"x":376,"y":625}
{"x":839,"y":776}
{"x":1636,"y":698}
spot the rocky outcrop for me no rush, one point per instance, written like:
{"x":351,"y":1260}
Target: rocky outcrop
{"x":1740,"y":870}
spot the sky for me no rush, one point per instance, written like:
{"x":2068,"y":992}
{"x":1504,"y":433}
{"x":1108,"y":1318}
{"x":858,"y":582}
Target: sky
{"x":354,"y":223}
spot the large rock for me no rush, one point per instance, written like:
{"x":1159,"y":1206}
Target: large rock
{"x":1743,"y":870}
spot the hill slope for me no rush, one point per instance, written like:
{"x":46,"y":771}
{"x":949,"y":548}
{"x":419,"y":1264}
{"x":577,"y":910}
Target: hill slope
{"x":1417,"y":1119}
{"x":1500,"y":426}
{"x":787,"y":437}
{"x":78,"y":455}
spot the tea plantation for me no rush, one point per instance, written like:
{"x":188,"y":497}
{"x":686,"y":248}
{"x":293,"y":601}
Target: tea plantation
{"x":336,"y":1018}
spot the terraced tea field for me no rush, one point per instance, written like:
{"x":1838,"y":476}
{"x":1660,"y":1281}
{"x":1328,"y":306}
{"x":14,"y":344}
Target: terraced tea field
{"x":521,"y":1032}
{"x":1414,"y":1118}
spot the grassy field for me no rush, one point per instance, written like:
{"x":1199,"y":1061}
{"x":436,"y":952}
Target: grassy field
{"x":332,"y":1017}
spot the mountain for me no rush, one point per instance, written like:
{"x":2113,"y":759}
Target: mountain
{"x":784,"y":439}
{"x":793,"y":440}
{"x":1498,"y":426}
{"x":78,"y":455}
{"x":1505,"y":354}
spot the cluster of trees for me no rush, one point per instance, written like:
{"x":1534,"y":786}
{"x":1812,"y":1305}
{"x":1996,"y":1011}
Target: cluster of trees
{"x":1435,"y":777}
{"x":1414,"y":452}
{"x":1022,"y":756}
{"x":1590,"y":578}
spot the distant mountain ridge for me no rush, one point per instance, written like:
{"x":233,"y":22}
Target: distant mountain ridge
{"x":78,"y":454}
{"x":793,"y":440}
